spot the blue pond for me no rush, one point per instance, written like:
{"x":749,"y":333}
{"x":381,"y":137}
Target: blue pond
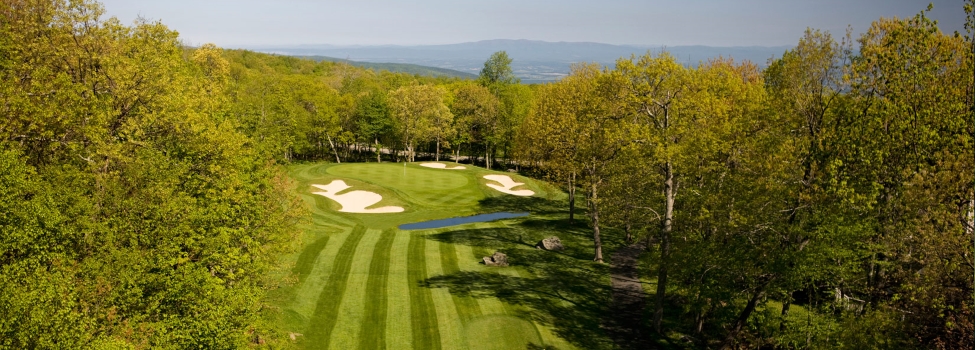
{"x":460,"y":220}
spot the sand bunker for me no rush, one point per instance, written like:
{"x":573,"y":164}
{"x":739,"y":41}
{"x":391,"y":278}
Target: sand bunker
{"x":442,"y":166}
{"x":507,"y":184}
{"x":354,"y":201}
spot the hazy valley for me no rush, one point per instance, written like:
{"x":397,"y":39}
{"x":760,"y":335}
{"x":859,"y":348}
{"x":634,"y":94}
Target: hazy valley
{"x":533,"y":61}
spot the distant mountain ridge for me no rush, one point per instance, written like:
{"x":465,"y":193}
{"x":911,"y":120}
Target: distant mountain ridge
{"x":400,"y":68}
{"x":534,"y":61}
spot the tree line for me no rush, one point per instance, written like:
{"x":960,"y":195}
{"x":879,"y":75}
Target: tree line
{"x":823,"y":201}
{"x":305,"y":110}
{"x":135,"y":212}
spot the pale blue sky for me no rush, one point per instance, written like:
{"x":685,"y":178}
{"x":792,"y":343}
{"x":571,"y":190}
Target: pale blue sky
{"x":235,"y":23}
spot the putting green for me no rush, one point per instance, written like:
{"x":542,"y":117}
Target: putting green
{"x":359,"y":282}
{"x":424,"y":186}
{"x":401,"y":177}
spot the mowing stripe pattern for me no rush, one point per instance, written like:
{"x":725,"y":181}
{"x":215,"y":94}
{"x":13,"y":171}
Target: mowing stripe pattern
{"x":326,"y":310}
{"x":426,"y":331}
{"x":351,"y":313}
{"x":399,"y":327}
{"x":451,"y":327}
{"x":467,"y":307}
{"x":306,"y":261}
{"x":372,"y":335}
{"x":364,"y":284}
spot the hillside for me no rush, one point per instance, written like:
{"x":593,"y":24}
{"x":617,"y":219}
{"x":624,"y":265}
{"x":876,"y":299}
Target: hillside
{"x":400,"y":68}
{"x":534,"y":61}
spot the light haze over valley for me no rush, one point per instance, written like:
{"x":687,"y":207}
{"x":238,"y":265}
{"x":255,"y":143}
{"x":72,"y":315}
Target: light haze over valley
{"x":542,"y":37}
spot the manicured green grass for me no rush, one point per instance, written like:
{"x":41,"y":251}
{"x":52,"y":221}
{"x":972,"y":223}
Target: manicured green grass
{"x":359,"y":282}
{"x":375,"y":311}
{"x":426,"y":334}
{"x":467,"y":307}
{"x":502,"y":332}
{"x":326,"y":310}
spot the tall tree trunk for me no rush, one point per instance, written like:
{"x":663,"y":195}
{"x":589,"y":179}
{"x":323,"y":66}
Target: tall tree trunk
{"x":487,"y":158}
{"x":729,"y":339}
{"x":594,"y":209}
{"x":970,"y":218}
{"x":334,"y":151}
{"x":785,"y":311}
{"x":438,"y":149}
{"x":701,"y":317}
{"x":379,"y":152}
{"x":572,"y":197}
{"x":665,"y":231}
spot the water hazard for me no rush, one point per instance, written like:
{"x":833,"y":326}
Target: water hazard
{"x":460,"y":220}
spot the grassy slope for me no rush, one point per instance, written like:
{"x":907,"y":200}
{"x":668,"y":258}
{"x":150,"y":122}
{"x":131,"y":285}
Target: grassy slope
{"x":359,"y":282}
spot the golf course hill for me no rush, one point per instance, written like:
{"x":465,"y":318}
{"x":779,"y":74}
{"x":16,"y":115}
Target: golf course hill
{"x":361,"y":282}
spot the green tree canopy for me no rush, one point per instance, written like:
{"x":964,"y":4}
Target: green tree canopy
{"x":497,"y":71}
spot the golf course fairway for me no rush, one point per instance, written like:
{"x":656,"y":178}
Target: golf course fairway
{"x":358,"y":282}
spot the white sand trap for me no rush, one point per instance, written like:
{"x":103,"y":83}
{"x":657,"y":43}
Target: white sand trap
{"x":354,"y":201}
{"x":507,"y":184}
{"x":442,"y":166}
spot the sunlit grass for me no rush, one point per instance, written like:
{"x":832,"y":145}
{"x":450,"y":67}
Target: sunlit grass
{"x":361,"y":283}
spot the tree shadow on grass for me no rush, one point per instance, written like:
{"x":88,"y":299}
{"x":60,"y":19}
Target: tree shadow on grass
{"x":524,"y":234}
{"x":562,"y":290}
{"x":485,"y":241}
{"x":571,"y":301}
{"x":534,"y":205}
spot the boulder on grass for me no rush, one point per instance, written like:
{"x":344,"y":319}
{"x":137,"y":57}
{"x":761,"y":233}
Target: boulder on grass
{"x":551,"y":243}
{"x":498,"y":259}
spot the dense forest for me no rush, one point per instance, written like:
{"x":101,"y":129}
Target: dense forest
{"x":826,"y":201}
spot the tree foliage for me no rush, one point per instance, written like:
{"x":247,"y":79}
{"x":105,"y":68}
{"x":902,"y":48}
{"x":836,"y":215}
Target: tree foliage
{"x":835,"y":184}
{"x":825,"y":201}
{"x":497,"y":70}
{"x":135,"y":213}
{"x":421,"y":114}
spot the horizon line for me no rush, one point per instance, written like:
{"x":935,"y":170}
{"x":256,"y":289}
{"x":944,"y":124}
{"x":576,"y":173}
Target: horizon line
{"x":494,"y":40}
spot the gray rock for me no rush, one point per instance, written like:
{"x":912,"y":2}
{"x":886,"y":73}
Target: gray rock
{"x":551,"y":243}
{"x":498,"y":259}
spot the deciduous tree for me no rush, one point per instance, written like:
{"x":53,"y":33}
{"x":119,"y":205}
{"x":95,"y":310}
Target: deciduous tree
{"x":421,"y":115}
